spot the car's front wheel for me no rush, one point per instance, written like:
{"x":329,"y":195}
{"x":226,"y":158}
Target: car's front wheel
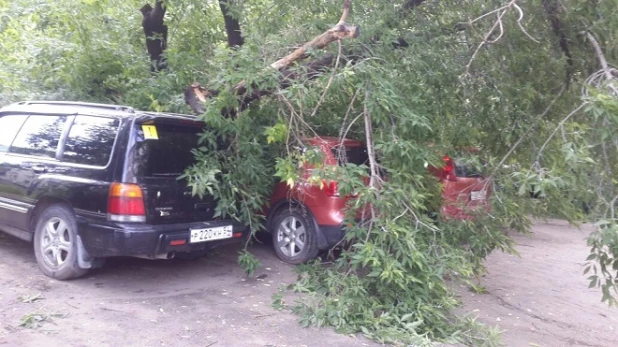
{"x":55,"y":243}
{"x":294,"y":236}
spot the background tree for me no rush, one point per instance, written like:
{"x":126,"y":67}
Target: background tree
{"x":156,"y":34}
{"x":232,"y":27}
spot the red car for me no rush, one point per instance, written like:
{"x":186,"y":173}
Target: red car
{"x":306,"y":219}
{"x":464,"y":191}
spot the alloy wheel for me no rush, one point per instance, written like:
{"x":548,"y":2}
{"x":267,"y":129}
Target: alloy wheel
{"x":291,"y":236}
{"x":56,"y":242}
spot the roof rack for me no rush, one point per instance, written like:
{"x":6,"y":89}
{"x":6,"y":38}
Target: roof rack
{"x":75,"y":103}
{"x":179,"y":115}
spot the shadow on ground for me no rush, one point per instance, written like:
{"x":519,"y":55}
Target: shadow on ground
{"x":538,"y":299}
{"x":137,"y":302}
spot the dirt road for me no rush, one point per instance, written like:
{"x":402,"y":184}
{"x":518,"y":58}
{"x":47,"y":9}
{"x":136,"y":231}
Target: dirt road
{"x":135,"y":302}
{"x":540,"y":299}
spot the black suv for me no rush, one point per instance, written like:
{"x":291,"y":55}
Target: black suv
{"x":89,"y":181}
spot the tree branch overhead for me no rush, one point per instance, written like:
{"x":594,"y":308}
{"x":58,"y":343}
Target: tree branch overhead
{"x":196,"y":95}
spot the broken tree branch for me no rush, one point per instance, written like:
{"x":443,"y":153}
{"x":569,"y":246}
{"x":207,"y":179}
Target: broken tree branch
{"x":330,"y":81}
{"x":605,"y":76}
{"x":338,"y":32}
{"x":600,"y":56}
{"x":196,"y":95}
{"x":500,"y":12}
{"x":345,"y":12}
{"x":374,"y":178}
{"x":497,"y":24}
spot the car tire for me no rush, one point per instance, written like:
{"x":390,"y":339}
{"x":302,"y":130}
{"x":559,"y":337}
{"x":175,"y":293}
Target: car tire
{"x":294,"y":236}
{"x":55,"y":243}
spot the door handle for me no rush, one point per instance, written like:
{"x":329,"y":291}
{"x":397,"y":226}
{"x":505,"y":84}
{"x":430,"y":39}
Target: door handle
{"x":38,"y":168}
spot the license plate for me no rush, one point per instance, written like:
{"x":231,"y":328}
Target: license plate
{"x":478,"y":195}
{"x":211,"y":234}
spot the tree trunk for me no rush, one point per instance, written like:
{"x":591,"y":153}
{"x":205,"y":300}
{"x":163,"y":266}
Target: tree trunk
{"x":552,"y":9}
{"x":156,"y":34}
{"x":232,"y":27}
{"x":410,"y":4}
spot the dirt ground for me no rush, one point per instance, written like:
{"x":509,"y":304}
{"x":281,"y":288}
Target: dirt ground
{"x":539,"y":299}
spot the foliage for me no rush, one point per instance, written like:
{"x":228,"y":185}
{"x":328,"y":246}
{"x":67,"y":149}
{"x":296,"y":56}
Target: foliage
{"x":37,"y":319}
{"x":604,"y":251}
{"x":542,"y":126}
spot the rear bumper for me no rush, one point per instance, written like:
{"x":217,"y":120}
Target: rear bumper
{"x":458,"y":202}
{"x":132,"y":239}
{"x":463,"y":213}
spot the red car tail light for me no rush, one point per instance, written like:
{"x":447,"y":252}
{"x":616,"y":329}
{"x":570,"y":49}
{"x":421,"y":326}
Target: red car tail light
{"x":125,"y":203}
{"x":449,"y":169}
{"x":331,"y":188}
{"x":178,"y":242}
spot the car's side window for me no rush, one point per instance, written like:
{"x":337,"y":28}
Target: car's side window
{"x":39,"y":136}
{"x":10,"y":125}
{"x":90,"y":140}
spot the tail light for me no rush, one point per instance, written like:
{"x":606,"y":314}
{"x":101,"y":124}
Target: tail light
{"x":178,"y":242}
{"x":331,"y":188}
{"x":125,"y":203}
{"x":449,"y":169}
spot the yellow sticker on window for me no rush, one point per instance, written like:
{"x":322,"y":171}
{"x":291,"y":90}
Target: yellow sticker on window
{"x":150,"y":132}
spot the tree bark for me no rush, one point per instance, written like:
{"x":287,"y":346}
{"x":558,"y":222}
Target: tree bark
{"x":552,"y":9}
{"x":232,"y":27}
{"x":407,"y":7}
{"x":156,"y":34}
{"x":196,"y":95}
{"x":410,"y":4}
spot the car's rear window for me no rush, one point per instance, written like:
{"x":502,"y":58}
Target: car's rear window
{"x":165,"y":149}
{"x":466,"y":168}
{"x":351,"y":155}
{"x":90,"y":140}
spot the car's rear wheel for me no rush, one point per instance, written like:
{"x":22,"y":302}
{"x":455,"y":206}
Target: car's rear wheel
{"x":294,"y":236}
{"x":55,"y":243}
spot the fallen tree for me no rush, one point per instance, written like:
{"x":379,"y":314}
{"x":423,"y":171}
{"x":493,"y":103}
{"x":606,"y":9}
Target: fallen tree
{"x":196,"y":95}
{"x":513,"y":105}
